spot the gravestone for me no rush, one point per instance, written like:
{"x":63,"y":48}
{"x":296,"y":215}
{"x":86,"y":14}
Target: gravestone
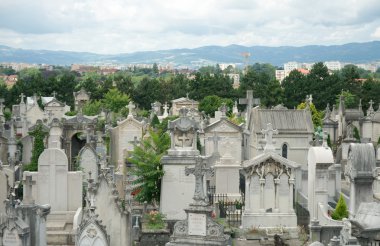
{"x":56,"y":186}
{"x":13,"y":231}
{"x":269,"y":185}
{"x":223,"y":143}
{"x":198,"y":228}
{"x":320,"y":158}
{"x":176,"y":187}
{"x":360,"y":174}
{"x":91,"y":231}
{"x":88,"y":161}
{"x":123,"y":137}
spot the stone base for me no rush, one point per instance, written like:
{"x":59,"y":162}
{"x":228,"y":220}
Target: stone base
{"x":59,"y":228}
{"x":193,"y":241}
{"x":269,"y":220}
{"x":190,"y":231}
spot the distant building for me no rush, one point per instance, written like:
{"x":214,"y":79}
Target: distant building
{"x":280,"y":75}
{"x":333,"y":65}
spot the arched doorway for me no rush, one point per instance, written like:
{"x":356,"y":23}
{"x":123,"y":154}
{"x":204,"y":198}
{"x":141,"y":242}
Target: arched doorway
{"x":77,"y":143}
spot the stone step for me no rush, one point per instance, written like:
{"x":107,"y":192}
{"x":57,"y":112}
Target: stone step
{"x":55,"y":225}
{"x":60,"y":238}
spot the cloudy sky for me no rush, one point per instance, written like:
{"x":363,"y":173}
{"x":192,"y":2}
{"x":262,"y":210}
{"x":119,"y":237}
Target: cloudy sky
{"x":122,"y":26}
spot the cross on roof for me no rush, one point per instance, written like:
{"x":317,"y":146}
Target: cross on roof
{"x":199,"y":171}
{"x":54,"y":94}
{"x":187,"y":95}
{"x":268,"y":133}
{"x":131,"y":107}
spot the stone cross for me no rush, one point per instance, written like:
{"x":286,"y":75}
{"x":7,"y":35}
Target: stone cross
{"x":135,"y":141}
{"x":370,"y":110}
{"x":28,"y":197}
{"x":215,"y":139}
{"x":249,"y":101}
{"x":54,"y":94}
{"x":131,"y":107}
{"x":183,"y":138}
{"x":187,"y":95}
{"x":268,"y":133}
{"x":22,"y":97}
{"x":199,"y":171}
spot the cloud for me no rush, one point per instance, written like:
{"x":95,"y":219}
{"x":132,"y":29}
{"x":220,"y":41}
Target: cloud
{"x":117,"y":26}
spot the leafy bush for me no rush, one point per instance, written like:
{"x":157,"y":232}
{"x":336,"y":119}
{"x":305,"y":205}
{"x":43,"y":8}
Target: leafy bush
{"x":340,"y":211}
{"x":155,"y":220}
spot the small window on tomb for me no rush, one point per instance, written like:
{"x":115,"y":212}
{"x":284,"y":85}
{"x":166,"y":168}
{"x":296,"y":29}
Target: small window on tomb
{"x":285,"y":150}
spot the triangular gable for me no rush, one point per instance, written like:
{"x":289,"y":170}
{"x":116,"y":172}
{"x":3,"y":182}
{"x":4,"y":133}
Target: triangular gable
{"x":184,"y":100}
{"x":267,"y":156}
{"x":223,"y":125}
{"x":54,"y":103}
{"x":130,"y":120}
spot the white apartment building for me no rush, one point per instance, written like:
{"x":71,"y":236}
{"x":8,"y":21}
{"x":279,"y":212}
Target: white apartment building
{"x":333,"y":65}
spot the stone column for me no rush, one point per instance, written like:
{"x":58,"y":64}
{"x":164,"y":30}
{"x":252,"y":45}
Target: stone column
{"x":338,"y":180}
{"x":291,"y":185}
{"x":262,"y":183}
{"x":315,"y":231}
{"x":247,"y":194}
{"x":172,"y":140}
{"x":352,"y":198}
{"x":276,"y":195}
{"x":195,"y":140}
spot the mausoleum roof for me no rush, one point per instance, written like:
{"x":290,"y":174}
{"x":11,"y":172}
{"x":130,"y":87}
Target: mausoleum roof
{"x":284,"y":121}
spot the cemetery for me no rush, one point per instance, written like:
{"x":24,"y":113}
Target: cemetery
{"x":176,"y":176}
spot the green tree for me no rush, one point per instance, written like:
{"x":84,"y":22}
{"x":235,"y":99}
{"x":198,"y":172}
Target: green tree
{"x":340,"y":211}
{"x":155,"y":121}
{"x":147,"y":166}
{"x":350,"y":100}
{"x":39,"y":135}
{"x":92,"y":108}
{"x":147,"y":92}
{"x":294,"y":89}
{"x":155,"y":69}
{"x":316,"y":115}
{"x":114,"y":100}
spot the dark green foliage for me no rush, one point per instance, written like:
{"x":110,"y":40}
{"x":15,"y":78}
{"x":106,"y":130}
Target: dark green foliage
{"x":155,"y":121}
{"x":38,"y":147}
{"x":340,"y":211}
{"x":147,"y":166}
{"x":329,"y":141}
{"x":356,"y":134}
{"x":163,"y":126}
{"x":316,"y":115}
{"x":260,"y":79}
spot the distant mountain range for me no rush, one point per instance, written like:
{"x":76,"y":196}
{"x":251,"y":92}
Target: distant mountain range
{"x":352,"y":52}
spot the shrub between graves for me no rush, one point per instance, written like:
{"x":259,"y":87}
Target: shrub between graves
{"x":155,"y":220}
